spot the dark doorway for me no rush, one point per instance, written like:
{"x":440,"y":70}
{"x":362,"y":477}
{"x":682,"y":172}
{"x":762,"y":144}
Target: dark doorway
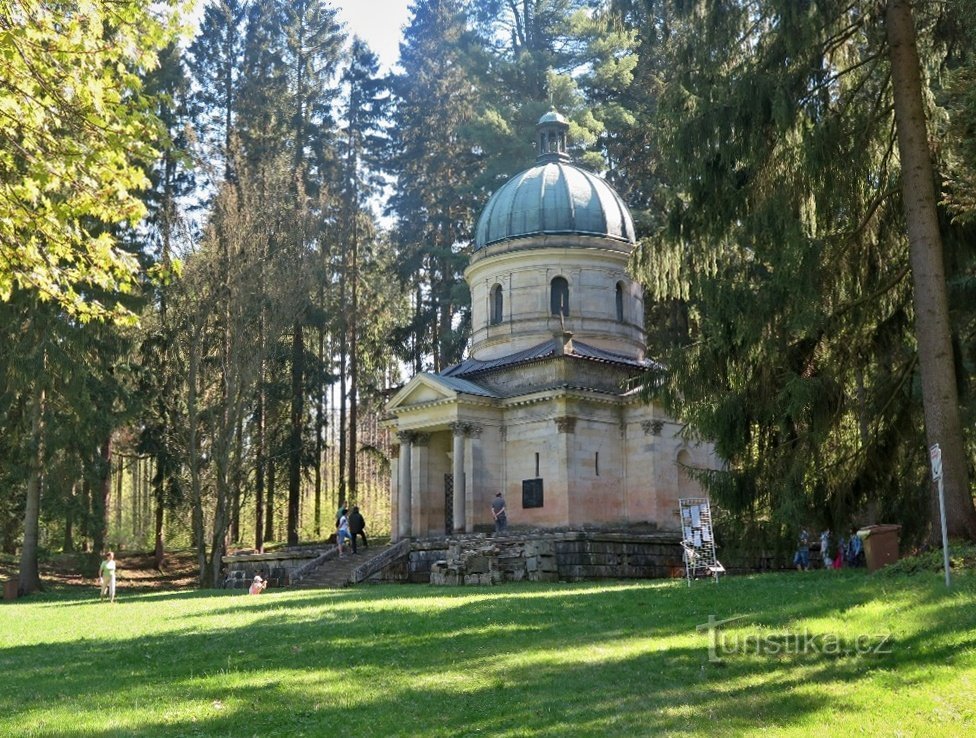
{"x":448,"y":504}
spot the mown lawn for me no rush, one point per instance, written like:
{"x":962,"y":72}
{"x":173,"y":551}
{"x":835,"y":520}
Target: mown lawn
{"x":883,"y":656}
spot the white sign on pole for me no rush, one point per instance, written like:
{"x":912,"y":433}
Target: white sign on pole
{"x":935,"y":454}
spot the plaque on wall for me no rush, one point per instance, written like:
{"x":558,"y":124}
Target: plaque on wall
{"x":531,"y":493}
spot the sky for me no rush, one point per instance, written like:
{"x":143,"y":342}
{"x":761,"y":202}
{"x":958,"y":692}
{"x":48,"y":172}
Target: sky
{"x":378,"y":22}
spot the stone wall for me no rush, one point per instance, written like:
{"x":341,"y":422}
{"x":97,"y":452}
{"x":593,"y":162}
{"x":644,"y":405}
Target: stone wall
{"x":546,"y":557}
{"x":279,"y":568}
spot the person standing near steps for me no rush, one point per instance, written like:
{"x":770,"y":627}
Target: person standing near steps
{"x":357,"y":527}
{"x":498,"y":512}
{"x":342,"y":532}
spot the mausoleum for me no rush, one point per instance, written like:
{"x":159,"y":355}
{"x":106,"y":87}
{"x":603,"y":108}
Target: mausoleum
{"x":544,"y":409}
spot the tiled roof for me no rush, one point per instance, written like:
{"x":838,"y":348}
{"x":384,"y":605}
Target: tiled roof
{"x":543,"y":350}
{"x":463,"y":385}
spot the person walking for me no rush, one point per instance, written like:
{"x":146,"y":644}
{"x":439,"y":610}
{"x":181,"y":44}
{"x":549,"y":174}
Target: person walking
{"x":825,"y":557}
{"x":357,"y":527}
{"x":801,"y":559}
{"x":106,"y":573}
{"x":342,"y":531}
{"x":498,"y":512}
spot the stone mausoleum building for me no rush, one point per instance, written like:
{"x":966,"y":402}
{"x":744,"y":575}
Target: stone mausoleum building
{"x":544,"y":410}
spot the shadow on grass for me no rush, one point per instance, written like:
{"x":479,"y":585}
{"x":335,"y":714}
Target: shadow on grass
{"x":577,"y":659}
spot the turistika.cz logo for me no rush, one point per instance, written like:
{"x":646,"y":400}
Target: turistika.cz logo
{"x":722,"y":644}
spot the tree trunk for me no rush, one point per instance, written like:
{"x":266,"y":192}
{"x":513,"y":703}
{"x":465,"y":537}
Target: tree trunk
{"x":259,"y":471}
{"x":269,"y":507}
{"x":159,"y":551}
{"x":932,"y":331}
{"x":101,"y":498}
{"x":295,"y":434}
{"x":193,"y":452}
{"x":118,"y":495}
{"x":30,"y":580}
{"x":235,"y":503}
{"x":343,"y":364}
{"x":319,"y":422}
{"x":68,"y":546}
{"x":354,"y":358}
{"x":134,"y":483}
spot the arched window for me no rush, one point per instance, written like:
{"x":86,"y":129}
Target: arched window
{"x":620,"y":301}
{"x":497,"y":305}
{"x":559,"y":297}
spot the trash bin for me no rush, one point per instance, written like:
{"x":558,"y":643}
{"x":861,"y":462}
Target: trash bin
{"x":10,"y":589}
{"x":880,"y":545}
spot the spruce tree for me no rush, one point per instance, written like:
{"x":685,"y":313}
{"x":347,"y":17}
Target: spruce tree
{"x":785,"y":235}
{"x":433,"y":162}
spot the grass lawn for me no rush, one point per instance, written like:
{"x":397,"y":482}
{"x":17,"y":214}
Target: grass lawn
{"x":818,"y":654}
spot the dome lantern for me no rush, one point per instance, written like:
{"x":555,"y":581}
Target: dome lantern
{"x":551,"y":138}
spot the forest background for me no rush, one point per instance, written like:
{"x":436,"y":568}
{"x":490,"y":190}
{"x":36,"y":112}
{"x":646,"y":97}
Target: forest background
{"x":220,"y":252}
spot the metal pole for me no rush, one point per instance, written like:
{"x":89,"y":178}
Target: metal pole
{"x":945,"y":534}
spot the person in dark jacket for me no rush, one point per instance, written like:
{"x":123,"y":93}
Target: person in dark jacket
{"x":357,"y":526}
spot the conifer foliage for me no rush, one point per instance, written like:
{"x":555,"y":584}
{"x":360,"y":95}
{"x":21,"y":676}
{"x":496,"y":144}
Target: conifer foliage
{"x":786,"y":239}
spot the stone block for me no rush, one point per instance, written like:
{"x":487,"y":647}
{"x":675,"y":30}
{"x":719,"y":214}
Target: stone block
{"x":532,"y":564}
{"x":476,"y":565}
{"x":548,"y":563}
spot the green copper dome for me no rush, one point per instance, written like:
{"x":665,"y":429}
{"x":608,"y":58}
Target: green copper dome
{"x":554,"y":198}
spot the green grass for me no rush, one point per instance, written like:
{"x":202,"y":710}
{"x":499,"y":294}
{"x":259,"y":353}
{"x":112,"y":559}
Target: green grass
{"x":593,"y":659}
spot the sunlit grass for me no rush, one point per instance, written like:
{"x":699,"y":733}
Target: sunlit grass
{"x":595,"y":659}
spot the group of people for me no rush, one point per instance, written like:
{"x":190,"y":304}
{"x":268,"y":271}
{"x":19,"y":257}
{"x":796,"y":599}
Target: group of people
{"x":350,"y":525}
{"x":849,"y":552}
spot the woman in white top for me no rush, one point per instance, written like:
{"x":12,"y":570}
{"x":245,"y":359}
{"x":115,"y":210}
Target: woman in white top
{"x":342,"y":531}
{"x":107,"y":572}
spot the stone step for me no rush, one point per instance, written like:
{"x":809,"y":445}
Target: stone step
{"x":336,"y":573}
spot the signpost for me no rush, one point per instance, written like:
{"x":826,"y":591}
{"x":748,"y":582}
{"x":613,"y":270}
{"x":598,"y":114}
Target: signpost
{"x":935,"y":454}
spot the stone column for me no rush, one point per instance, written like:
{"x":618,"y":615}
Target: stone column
{"x":473,"y":469}
{"x":420,"y":485}
{"x":404,"y":496}
{"x":457,"y":459}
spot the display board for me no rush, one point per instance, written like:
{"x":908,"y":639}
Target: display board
{"x":698,"y":539}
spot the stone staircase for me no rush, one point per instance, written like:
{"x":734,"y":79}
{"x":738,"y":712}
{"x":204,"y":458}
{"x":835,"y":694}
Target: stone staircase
{"x":334,"y":572}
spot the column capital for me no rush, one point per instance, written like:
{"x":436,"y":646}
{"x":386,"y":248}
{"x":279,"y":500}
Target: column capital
{"x":652,"y":427}
{"x":406,"y":437}
{"x":470,"y":430}
{"x":565,"y":424}
{"x":421,"y":439}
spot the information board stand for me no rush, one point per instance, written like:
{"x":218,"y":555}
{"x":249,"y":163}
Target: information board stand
{"x":698,"y":539}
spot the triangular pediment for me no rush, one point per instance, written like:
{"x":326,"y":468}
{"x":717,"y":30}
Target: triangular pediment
{"x":421,"y":390}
